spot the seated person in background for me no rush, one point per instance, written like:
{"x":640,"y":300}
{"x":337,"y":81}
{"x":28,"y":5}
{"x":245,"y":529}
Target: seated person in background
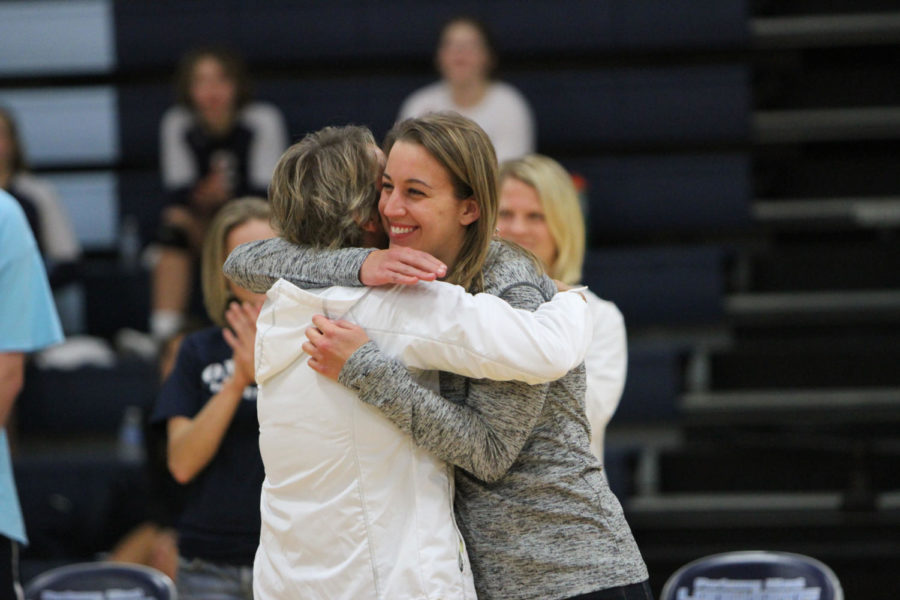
{"x":28,"y":322}
{"x":466,"y":57}
{"x":215,"y":145}
{"x":208,"y":404}
{"x":153,"y":542}
{"x":539,"y":210}
{"x":49,"y":223}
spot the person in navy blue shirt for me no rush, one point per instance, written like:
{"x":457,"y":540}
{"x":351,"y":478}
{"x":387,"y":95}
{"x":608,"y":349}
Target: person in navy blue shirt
{"x":216,"y":144}
{"x":208,"y":403}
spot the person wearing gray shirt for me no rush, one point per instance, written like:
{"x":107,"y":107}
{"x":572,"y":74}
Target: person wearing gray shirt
{"x":534,"y":507}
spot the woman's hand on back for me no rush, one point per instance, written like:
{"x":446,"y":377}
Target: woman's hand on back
{"x":400,"y":265}
{"x":330,"y":343}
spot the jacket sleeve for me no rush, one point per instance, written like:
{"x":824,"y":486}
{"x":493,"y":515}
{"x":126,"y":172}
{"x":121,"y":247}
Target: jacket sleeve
{"x":257,"y":265}
{"x":606,"y":364}
{"x":483,"y":436}
{"x":484,"y":337}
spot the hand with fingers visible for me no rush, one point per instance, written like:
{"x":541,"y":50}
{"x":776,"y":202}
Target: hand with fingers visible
{"x":241,"y":336}
{"x":400,"y":265}
{"x":330,"y":343}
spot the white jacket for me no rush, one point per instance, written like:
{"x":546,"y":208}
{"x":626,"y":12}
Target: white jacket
{"x":606,"y":365}
{"x":351,"y":508}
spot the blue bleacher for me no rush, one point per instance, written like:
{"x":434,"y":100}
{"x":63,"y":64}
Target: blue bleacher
{"x":599,"y":107}
{"x":647,"y":194}
{"x":76,"y":506}
{"x":592,"y":108}
{"x":87,"y":401}
{"x":283,"y":31}
{"x":653,"y":384}
{"x":661,"y":286}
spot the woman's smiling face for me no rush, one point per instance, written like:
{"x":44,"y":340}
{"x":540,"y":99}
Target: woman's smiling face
{"x":418,"y":206}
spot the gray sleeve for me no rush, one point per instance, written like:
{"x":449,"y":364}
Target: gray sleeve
{"x":483,"y":436}
{"x":257,"y":265}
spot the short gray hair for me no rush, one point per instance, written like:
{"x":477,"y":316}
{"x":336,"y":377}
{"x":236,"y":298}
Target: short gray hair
{"x":323,"y":189}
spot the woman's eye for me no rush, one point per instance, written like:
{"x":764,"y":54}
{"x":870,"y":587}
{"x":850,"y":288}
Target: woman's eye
{"x":536,"y":217}
{"x":386,"y":185}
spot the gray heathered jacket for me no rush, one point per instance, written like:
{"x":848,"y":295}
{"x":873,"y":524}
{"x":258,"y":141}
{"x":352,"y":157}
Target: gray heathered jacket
{"x":538,"y":517}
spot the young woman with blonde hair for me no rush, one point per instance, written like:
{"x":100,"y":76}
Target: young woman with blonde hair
{"x":540,"y":211}
{"x":208,"y":403}
{"x":531,"y":501}
{"x":350,"y":508}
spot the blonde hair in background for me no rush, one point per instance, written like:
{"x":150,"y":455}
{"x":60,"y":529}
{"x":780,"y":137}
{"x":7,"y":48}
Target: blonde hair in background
{"x":216,"y":293}
{"x":466,"y":152}
{"x":323,"y":188}
{"x":562,"y":210}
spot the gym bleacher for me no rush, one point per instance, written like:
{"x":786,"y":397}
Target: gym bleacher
{"x":743,"y":205}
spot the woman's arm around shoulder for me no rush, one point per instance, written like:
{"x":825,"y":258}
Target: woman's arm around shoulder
{"x":483,"y":435}
{"x":259,"y":264}
{"x":484,"y":337}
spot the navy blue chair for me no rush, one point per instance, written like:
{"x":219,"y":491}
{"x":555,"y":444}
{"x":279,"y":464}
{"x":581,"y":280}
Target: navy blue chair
{"x":99,"y":579}
{"x":759,"y":574}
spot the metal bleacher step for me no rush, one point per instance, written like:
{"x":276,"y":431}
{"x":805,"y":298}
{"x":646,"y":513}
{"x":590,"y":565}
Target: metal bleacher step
{"x":786,"y":408}
{"x":826,"y":30}
{"x":877,"y":212}
{"x":723,"y":501}
{"x":792,"y":399}
{"x":814,"y":307}
{"x":826,"y":124}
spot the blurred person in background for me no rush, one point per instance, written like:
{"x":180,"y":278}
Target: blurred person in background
{"x":49,"y":222}
{"x":539,"y":210}
{"x":28,"y":322}
{"x":208,"y":403}
{"x":466,"y":58}
{"x":215,"y":145}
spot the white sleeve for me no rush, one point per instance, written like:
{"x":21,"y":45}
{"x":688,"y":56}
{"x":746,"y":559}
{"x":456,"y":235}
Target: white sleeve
{"x":175,"y":159}
{"x":407,"y":109}
{"x":483,"y":337}
{"x":606,"y":364}
{"x":58,"y":238}
{"x":518,"y":138}
{"x":269,"y":141}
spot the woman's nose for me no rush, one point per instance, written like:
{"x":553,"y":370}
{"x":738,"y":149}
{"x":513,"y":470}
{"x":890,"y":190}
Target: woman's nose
{"x":515,"y":226}
{"x":391,"y":205}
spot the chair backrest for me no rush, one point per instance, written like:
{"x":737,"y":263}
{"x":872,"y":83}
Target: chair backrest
{"x":754,"y":574}
{"x":101,"y":581}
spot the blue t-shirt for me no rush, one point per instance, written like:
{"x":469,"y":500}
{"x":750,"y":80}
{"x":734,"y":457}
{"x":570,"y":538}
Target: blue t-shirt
{"x":220,"y":520}
{"x":28,"y":322}
{"x":28,"y":319}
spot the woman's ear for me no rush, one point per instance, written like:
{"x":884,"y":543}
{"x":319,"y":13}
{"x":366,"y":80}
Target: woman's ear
{"x":469,"y":211}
